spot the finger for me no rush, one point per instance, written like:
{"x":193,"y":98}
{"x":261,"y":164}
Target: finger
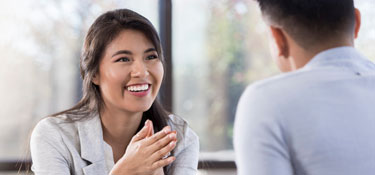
{"x":142,"y":133}
{"x":154,"y":138}
{"x":151,"y":130}
{"x":163,"y":151}
{"x":163,"y":141}
{"x":163,"y":162}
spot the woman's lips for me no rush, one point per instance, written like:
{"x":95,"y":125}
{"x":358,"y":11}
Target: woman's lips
{"x":139,"y":90}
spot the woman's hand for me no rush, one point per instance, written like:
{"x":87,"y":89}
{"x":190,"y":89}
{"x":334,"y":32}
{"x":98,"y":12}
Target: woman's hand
{"x":145,"y":152}
{"x":159,"y":171}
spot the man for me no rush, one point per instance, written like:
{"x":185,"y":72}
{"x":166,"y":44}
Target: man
{"x":319,"y":118}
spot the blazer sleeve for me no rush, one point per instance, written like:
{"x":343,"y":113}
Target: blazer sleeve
{"x":47,"y":150}
{"x":259,"y":140}
{"x":186,"y":153}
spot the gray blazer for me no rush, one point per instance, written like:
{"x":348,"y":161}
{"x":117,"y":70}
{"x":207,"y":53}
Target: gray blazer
{"x":60,"y":147}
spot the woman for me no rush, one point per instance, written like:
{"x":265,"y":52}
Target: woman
{"x":117,"y":127}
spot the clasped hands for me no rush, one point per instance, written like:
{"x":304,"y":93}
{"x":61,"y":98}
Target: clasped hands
{"x":146,"y":152}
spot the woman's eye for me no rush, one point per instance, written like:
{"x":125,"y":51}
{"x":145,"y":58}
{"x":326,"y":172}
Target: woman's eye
{"x":151,"y":57}
{"x":123,"y":59}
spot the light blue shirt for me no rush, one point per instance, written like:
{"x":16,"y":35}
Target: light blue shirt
{"x":318,"y":120}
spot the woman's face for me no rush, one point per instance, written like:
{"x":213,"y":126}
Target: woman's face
{"x":130,"y":73}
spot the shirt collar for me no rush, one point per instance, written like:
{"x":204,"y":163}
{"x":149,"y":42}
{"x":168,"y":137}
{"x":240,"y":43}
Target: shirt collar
{"x":91,"y":139}
{"x":334,"y":57}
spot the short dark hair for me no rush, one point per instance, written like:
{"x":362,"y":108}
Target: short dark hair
{"x":309,"y":22}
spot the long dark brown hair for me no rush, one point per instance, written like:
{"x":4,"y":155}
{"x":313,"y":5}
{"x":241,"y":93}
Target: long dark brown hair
{"x":105,"y":29}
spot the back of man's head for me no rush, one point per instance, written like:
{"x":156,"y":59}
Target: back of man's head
{"x":310,"y":22}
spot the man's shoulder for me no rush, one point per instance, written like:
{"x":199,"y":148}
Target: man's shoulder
{"x":283,"y":91}
{"x":283,"y":82}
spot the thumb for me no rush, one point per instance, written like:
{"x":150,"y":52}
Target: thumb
{"x":142,"y":133}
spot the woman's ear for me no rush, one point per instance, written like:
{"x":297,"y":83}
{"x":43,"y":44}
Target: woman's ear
{"x":95,"y":79}
{"x":357,"y":22}
{"x":280,"y":41}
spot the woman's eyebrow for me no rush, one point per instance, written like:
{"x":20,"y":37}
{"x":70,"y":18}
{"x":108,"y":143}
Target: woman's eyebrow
{"x":122,"y":52}
{"x":129,"y":52}
{"x":150,"y":50}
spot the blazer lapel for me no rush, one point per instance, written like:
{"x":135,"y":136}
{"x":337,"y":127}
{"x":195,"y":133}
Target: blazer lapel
{"x":92,"y":150}
{"x":95,"y":168}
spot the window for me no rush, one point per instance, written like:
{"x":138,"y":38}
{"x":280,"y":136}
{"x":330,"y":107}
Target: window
{"x":366,"y":36}
{"x":39,"y":71}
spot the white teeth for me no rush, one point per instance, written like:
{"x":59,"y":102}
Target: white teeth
{"x":138,"y":88}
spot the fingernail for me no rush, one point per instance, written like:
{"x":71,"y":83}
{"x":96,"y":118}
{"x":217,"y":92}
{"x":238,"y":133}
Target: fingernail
{"x":172,"y":136}
{"x":167,"y":129}
{"x":172,"y":159}
{"x":146,"y":123}
{"x":172,"y":144}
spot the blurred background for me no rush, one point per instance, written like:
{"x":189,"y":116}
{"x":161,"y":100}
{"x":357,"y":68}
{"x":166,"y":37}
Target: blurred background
{"x":218,"y":47}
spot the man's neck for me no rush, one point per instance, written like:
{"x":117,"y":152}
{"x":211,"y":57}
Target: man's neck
{"x":299,"y":56}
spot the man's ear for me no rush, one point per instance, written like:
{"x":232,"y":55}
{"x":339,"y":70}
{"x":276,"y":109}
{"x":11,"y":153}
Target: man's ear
{"x":280,"y":41}
{"x":95,"y":79}
{"x":357,"y":22}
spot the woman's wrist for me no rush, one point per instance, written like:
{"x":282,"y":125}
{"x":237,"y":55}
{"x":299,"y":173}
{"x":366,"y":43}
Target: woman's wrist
{"x":116,"y":171}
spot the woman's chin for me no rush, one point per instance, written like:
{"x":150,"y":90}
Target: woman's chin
{"x":138,"y":108}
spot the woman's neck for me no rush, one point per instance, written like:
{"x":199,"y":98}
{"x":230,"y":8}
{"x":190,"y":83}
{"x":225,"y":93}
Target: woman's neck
{"x":119,"y":126}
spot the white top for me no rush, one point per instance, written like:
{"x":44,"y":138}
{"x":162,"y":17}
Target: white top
{"x":318,"y":120}
{"x":60,"y":147}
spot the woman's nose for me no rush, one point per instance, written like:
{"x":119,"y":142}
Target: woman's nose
{"x":139,"y":70}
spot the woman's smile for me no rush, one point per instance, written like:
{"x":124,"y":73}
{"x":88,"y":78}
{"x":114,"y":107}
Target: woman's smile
{"x":139,"y":90}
